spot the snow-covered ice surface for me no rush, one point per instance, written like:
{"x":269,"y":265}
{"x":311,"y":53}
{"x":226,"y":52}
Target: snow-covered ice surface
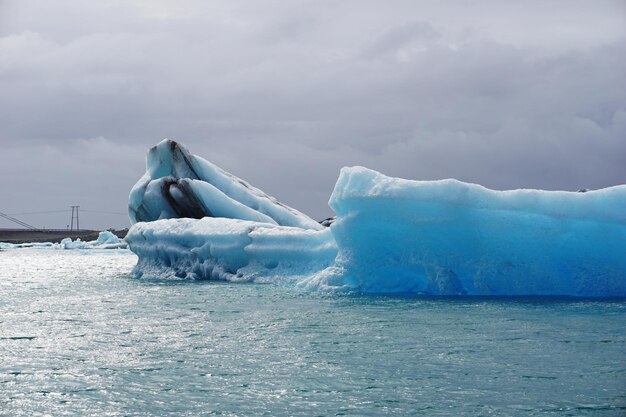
{"x":229,"y":249}
{"x":105,"y":240}
{"x":390,"y":235}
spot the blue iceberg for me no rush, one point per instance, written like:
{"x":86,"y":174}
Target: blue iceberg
{"x":178,"y":184}
{"x":194,"y":220}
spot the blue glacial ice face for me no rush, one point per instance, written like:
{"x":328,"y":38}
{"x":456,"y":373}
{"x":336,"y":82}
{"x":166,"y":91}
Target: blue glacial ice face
{"x":450,"y":237}
{"x":390,"y":235}
{"x":178,"y":184}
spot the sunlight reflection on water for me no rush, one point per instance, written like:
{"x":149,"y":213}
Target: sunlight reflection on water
{"x":79,"y":335}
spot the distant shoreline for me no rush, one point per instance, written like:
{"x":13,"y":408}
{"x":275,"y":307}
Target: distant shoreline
{"x":55,"y":236}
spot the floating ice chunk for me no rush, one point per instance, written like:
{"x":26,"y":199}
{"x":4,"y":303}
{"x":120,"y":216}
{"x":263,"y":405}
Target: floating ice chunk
{"x":389,"y":236}
{"x":105,"y":240}
{"x":450,"y":237}
{"x":4,"y":245}
{"x":178,"y":184}
{"x":229,"y":249}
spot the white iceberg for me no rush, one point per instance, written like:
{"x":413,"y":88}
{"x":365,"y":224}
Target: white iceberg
{"x":229,"y":249}
{"x":39,"y":245}
{"x":178,"y":184}
{"x":105,"y":240}
{"x":390,"y":235}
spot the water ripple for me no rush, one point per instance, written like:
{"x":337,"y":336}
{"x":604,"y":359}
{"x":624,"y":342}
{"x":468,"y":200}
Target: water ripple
{"x":79,"y":336}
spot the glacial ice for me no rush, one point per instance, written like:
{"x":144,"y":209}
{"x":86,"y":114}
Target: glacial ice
{"x":178,"y":184}
{"x":229,"y":249}
{"x":105,"y":240}
{"x":390,"y":235}
{"x":450,"y":237}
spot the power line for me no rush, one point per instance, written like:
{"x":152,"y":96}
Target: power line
{"x":65,"y":211}
{"x":37,"y":212}
{"x":73,"y":215}
{"x":105,"y":212}
{"x":21,"y":223}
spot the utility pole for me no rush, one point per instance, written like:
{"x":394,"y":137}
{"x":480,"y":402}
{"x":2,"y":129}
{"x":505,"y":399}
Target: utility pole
{"x":74,"y":210}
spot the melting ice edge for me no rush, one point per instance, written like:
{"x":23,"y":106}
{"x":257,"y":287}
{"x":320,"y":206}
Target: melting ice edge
{"x":193,"y":220}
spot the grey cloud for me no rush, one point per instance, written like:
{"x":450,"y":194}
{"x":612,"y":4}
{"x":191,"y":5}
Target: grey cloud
{"x":284,"y":94}
{"x":401,"y":36}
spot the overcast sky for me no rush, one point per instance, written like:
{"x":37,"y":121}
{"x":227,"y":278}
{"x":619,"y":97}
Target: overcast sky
{"x":508,"y":94}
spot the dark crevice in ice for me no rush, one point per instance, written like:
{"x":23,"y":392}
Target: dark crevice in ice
{"x":185,"y":203}
{"x":181,"y":157}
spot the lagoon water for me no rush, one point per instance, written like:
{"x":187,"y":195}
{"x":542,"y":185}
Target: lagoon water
{"x":80,"y":336}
